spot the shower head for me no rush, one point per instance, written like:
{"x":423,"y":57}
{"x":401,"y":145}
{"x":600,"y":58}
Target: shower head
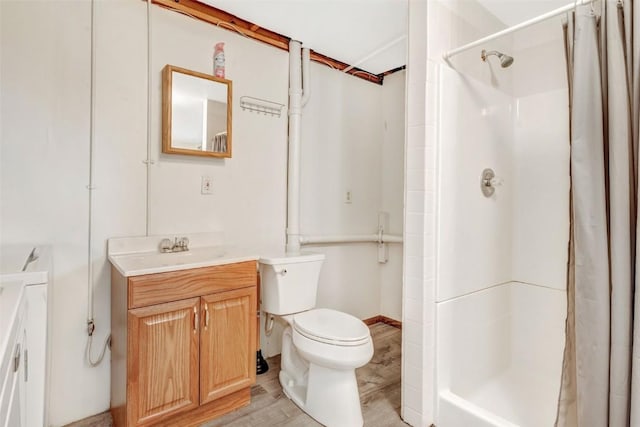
{"x":505,"y":60}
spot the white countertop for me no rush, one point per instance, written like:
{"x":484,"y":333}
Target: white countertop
{"x":137,"y":264}
{"x":139,"y":255}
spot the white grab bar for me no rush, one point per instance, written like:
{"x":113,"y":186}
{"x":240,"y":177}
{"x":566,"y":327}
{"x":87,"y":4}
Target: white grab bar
{"x":354,"y":238}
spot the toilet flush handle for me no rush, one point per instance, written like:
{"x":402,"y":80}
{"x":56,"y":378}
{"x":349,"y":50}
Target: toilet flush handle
{"x":282,"y":272}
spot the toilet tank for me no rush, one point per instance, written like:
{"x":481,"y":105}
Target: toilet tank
{"x":289,"y":283}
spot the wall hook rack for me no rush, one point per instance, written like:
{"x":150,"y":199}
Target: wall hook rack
{"x":261,"y":106}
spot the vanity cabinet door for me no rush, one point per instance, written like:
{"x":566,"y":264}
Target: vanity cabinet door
{"x":163,"y":360}
{"x":227,"y":346}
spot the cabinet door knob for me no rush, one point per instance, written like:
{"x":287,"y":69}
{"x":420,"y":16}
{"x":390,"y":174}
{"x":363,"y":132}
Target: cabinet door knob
{"x":195,"y":320}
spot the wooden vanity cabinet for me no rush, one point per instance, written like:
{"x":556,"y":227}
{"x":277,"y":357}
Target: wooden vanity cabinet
{"x":227,"y":341}
{"x":183,"y":344}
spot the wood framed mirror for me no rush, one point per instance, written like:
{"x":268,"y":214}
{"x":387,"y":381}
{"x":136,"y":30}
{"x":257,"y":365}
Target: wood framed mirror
{"x":196,"y":113}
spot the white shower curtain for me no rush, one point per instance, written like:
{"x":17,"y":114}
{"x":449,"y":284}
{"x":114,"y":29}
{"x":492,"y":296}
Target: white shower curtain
{"x":601,"y":370}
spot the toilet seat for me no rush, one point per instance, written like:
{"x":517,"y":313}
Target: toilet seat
{"x":331,"y":327}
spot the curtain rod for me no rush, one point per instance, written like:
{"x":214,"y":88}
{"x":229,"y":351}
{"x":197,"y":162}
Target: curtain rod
{"x":517,"y":27}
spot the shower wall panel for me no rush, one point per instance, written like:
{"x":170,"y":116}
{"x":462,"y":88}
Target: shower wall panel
{"x":474,"y":231}
{"x":541,"y":157}
{"x":541,"y":180}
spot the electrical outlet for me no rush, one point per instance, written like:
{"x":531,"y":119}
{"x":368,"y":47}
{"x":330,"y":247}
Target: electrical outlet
{"x":206,"y":185}
{"x":348,"y":197}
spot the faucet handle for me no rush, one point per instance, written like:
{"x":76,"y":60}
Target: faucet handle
{"x":184,"y":243}
{"x":165,"y":245}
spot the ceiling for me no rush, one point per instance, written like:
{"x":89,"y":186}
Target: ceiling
{"x":346,"y":30}
{"x":368,"y":34}
{"x":512,"y":12}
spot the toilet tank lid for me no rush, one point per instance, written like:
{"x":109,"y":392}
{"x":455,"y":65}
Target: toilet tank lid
{"x":291,"y":258}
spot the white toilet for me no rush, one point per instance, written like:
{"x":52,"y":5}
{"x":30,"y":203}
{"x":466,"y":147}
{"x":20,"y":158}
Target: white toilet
{"x":321,"y":348}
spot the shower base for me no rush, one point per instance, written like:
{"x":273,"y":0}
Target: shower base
{"x":500,"y":357}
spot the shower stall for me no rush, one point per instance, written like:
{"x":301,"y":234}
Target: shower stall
{"x":503,"y":230}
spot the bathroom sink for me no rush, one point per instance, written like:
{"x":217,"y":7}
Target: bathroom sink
{"x":139,"y":263}
{"x":160,"y":262}
{"x":180,"y":258}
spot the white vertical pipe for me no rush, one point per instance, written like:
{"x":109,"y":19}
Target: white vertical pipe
{"x":148,"y":161}
{"x":293,"y":178}
{"x":306,"y":90}
{"x":90,"y":186}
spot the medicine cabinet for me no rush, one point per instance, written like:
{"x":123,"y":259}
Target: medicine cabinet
{"x":196,"y":113}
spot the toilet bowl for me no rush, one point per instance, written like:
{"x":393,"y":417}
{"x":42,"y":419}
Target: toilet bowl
{"x":321,"y":348}
{"x":332,"y":339}
{"x":318,"y":365}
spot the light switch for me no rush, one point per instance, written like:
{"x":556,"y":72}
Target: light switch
{"x":348,"y":197}
{"x":206,"y":186}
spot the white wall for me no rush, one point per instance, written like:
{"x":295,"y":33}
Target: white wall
{"x":344,"y":140}
{"x":45,"y":113}
{"x":392,"y":198}
{"x":45,"y":128}
{"x":341,"y":129}
{"x":249,"y":198}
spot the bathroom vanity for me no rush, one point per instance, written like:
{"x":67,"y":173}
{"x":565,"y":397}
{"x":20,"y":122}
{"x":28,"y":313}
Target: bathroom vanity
{"x":183,"y":335}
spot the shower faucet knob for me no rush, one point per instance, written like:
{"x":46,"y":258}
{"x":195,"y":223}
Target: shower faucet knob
{"x":489,"y":181}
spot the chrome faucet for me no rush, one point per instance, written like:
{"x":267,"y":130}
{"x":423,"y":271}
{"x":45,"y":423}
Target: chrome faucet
{"x":178,"y":245}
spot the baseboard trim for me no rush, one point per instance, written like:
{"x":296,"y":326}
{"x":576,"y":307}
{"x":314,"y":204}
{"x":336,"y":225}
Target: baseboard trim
{"x":383,"y":319}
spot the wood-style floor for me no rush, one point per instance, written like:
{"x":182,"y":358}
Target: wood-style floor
{"x":378,"y":382}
